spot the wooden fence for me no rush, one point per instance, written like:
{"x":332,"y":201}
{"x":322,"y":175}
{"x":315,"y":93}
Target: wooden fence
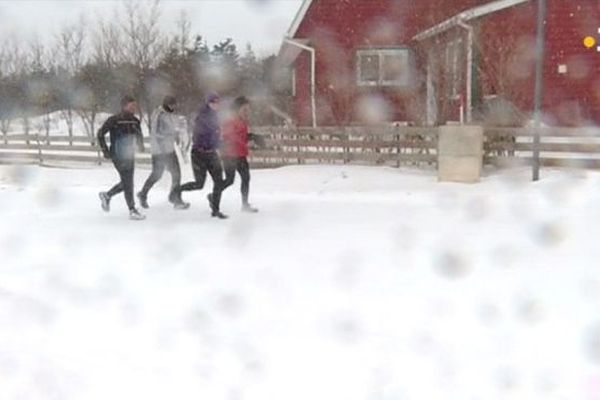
{"x":393,"y":146}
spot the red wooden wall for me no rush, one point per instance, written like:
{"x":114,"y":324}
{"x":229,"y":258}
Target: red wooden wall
{"x":337,"y":28}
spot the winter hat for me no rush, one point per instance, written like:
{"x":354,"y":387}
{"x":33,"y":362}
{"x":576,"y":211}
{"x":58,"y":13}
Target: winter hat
{"x":169,"y":103}
{"x":212,"y":97}
{"x":126,"y":100}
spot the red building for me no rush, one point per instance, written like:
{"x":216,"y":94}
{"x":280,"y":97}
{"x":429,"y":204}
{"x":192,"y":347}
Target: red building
{"x":435,"y":61}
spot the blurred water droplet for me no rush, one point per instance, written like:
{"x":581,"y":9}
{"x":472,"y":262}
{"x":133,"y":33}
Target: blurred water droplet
{"x":404,"y":237}
{"x":230,"y":304}
{"x":592,"y":343}
{"x":547,"y":382}
{"x":48,"y":196}
{"x":507,"y":379}
{"x":8,"y":364}
{"x":452,"y":265}
{"x":373,"y":110}
{"x":169,"y":253}
{"x":590,"y":288}
{"x":504,"y":256}
{"x":488,"y":313}
{"x":551,"y":234}
{"x":478,"y":209}
{"x":198,"y":320}
{"x":241,"y":232}
{"x":349,"y":268}
{"x":18,"y":175}
{"x":347,"y":329}
{"x":529,"y":310}
{"x":109,"y":286}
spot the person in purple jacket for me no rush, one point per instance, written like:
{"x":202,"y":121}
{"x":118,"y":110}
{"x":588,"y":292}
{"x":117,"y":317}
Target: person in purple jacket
{"x":205,"y":156}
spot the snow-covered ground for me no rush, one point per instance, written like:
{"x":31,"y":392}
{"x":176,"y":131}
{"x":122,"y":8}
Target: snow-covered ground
{"x":352,"y":283}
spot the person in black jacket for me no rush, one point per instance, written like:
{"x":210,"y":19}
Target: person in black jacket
{"x":205,"y":155}
{"x":125,"y":135}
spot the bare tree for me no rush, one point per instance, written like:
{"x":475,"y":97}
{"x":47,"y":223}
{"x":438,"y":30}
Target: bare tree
{"x":71,"y":44}
{"x":145,"y":45}
{"x":107,"y":44}
{"x":12,"y":65}
{"x":14,"y":59}
{"x":40,"y":86}
{"x":145,"y":42}
{"x":183,"y":37}
{"x":70,"y":51}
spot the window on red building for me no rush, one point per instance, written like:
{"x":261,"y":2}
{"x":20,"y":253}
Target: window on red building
{"x":383,"y":67}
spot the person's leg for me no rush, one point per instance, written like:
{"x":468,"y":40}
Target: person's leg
{"x":229,"y":166}
{"x":115,"y":190}
{"x":118,"y":188}
{"x":216,"y":173}
{"x":158,"y":168}
{"x":174,"y":169}
{"x":125,"y":168}
{"x":244,"y":170}
{"x":127,"y":179}
{"x":199,"y":169}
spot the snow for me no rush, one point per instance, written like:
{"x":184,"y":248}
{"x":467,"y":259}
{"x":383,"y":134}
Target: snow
{"x":351,"y":283}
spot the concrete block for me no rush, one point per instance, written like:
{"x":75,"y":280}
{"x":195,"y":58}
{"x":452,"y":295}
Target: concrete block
{"x":460,"y":140}
{"x":465,"y":169}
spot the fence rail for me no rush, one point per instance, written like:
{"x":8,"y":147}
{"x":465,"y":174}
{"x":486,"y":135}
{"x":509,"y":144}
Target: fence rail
{"x":394,"y":146}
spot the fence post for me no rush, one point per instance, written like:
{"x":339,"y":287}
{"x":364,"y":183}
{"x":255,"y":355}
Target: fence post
{"x":39,"y":146}
{"x":346,"y":138}
{"x":397,"y":138}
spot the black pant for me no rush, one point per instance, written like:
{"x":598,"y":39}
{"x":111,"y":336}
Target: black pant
{"x":203,"y":162}
{"x":125,"y":168}
{"x":239,"y":164}
{"x":159,"y":163}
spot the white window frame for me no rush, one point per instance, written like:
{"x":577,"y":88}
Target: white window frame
{"x":381,"y":53}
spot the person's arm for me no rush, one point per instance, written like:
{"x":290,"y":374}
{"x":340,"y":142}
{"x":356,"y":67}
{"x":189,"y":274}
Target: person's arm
{"x":158,"y":129}
{"x":101,"y":135}
{"x":155,"y":124}
{"x":139,"y":137}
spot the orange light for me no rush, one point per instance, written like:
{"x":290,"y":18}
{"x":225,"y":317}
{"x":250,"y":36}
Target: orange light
{"x":589,"y":42}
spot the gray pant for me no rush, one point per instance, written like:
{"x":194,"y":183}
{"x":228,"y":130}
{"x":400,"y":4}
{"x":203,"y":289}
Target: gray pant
{"x":160,"y":162}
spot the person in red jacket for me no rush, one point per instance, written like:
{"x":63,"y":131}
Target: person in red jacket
{"x":234,"y":151}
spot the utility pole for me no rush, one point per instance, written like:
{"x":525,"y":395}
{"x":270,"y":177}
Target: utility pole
{"x":539,"y":85}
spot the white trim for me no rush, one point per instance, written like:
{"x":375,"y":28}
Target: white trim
{"x":468,"y":15}
{"x":293,"y":81}
{"x":299,"y":18}
{"x":432,"y":111}
{"x":313,"y":75}
{"x":469,"y":99}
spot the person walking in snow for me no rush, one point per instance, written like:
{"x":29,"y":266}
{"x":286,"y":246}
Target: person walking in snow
{"x":205,"y":155}
{"x":125,"y":134}
{"x":235,"y":149}
{"x":163,"y":137}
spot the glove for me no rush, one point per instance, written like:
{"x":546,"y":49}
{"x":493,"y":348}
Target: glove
{"x":258,"y":140}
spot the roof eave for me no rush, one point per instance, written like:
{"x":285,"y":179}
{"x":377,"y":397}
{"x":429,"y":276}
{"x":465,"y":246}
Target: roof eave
{"x":468,"y":15}
{"x":291,"y":33}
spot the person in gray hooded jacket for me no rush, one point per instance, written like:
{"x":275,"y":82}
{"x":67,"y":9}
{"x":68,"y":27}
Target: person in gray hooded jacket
{"x":163,"y":137}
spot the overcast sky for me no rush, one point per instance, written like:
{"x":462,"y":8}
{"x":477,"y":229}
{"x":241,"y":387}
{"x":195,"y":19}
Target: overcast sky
{"x":260,"y":22}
